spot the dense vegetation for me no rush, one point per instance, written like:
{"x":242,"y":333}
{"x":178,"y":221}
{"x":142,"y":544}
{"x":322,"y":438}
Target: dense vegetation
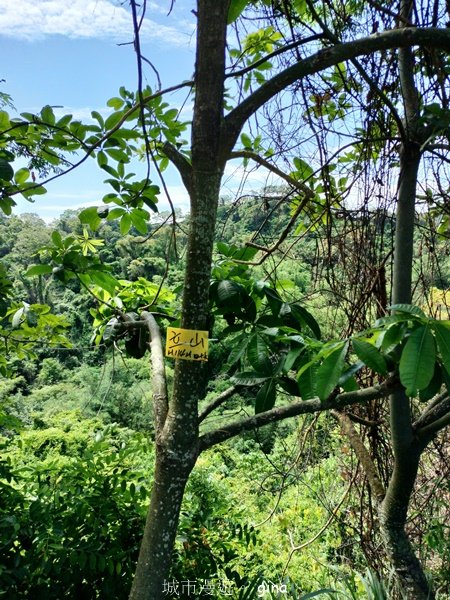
{"x":311,"y":445}
{"x":78,"y":437}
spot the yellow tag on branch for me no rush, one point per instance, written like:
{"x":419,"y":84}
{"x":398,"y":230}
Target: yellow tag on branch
{"x":187,"y":344}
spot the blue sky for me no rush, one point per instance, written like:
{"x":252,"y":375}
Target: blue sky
{"x":66,"y":53}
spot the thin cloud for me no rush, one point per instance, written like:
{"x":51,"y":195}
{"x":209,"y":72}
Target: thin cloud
{"x":32,"y":20}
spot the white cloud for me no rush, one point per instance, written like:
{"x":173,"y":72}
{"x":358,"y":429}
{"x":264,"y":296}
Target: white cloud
{"x":36,"y":19}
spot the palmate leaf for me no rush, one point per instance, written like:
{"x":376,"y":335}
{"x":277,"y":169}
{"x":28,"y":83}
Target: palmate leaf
{"x":417,"y":360}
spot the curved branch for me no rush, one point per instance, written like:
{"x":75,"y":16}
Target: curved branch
{"x":181,"y":163}
{"x":298,"y":185}
{"x":159,"y":382}
{"x":218,"y":400}
{"x":433,"y":37}
{"x":300,"y":407}
{"x":435,"y":418}
{"x":361,"y":453}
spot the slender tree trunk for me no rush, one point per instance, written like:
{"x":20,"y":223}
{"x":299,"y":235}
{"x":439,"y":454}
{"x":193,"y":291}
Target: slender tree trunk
{"x":177,"y":438}
{"x":394,"y":508}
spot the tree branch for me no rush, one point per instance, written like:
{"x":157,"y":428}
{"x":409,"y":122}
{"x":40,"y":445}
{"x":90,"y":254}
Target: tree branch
{"x":361,"y":452}
{"x":298,"y":185}
{"x":434,"y":418}
{"x":220,"y":399}
{"x":181,"y":163}
{"x":408,"y":36}
{"x":159,"y":382}
{"x":292,"y":410}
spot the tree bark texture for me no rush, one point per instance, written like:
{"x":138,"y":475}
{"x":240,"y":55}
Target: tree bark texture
{"x":177,"y":438}
{"x":394,"y":508}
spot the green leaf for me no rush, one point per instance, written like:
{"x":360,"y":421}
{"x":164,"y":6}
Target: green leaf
{"x":138,"y":222}
{"x":47,"y":115}
{"x":442,"y":333}
{"x":370,"y":356}
{"x":240,"y":344}
{"x":6,"y":205}
{"x":393,"y":336}
{"x":258,"y":355}
{"x":265,"y":398}
{"x":21,"y":176}
{"x":6,"y":170}
{"x":304,"y":317}
{"x":409,"y":309}
{"x":249,"y":378}
{"x":89,"y":216}
{"x":113,"y":119}
{"x":307,"y":379}
{"x":38,"y":270}
{"x":235,"y":10}
{"x":289,"y":385}
{"x":102,"y":159}
{"x":417,"y":360}
{"x":56,"y":239}
{"x":98,"y":117}
{"x":303,"y":168}
{"x":117,"y":155}
{"x":434,"y":386}
{"x":115,"y":103}
{"x":228,"y":293}
{"x":104,"y":280}
{"x":125,"y":223}
{"x":246,"y":141}
{"x":330,"y":370}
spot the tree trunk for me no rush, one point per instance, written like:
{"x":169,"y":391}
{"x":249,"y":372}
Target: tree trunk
{"x":177,"y":439}
{"x":394,"y":508}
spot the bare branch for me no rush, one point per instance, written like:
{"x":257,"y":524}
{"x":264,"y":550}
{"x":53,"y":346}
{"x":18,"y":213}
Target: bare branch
{"x":435,"y":418}
{"x":362,"y":453}
{"x":298,"y":185}
{"x":159,"y":382}
{"x":328,"y":57}
{"x":296,"y":408}
{"x":218,"y":400}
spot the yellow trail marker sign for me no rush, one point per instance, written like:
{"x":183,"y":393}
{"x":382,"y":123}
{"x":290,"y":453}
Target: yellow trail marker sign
{"x":187,"y":344}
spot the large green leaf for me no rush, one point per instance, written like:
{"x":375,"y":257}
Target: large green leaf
{"x":104,"y":280}
{"x":305,"y":318}
{"x":330,"y":370}
{"x":258,"y":355}
{"x":38,"y":270}
{"x":228,"y":293}
{"x":236,"y":8}
{"x":392,"y":337}
{"x":409,"y":309}
{"x":307,"y":379}
{"x":249,"y":378}
{"x":265,"y":398}
{"x":6,"y":170}
{"x":417,"y":360}
{"x":240,"y":344}
{"x":370,"y":356}
{"x":89,"y":216}
{"x":442,"y":333}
